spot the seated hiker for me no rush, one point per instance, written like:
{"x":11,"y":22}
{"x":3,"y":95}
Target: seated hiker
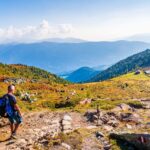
{"x":13,"y":111}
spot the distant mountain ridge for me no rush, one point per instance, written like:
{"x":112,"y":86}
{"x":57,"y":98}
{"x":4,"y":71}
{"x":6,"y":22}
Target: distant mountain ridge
{"x":65,"y":40}
{"x":131,"y":63}
{"x":144,"y":37}
{"x":82,"y":74}
{"x":60,"y":57}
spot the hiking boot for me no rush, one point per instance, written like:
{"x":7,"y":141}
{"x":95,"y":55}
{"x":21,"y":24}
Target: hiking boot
{"x":13,"y":136}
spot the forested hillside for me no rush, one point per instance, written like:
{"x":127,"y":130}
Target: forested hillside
{"x":131,"y":63}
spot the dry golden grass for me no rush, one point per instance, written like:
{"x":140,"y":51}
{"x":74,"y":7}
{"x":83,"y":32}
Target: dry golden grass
{"x":107,"y":94}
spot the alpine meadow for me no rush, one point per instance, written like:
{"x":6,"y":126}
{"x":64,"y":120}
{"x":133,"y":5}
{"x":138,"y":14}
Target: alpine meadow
{"x":74,"y":75}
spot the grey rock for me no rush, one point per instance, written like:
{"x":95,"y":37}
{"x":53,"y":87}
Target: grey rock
{"x":67,"y":117}
{"x":68,"y":147}
{"x":130,"y":117}
{"x":99,"y":134}
{"x":139,"y":141}
{"x":108,"y":128}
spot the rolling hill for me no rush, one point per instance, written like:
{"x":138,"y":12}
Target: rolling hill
{"x":60,"y":57}
{"x":82,"y":74}
{"x":131,"y":63}
{"x":43,"y":94}
{"x":28,"y":73}
{"x":50,"y":92}
{"x":95,"y":69}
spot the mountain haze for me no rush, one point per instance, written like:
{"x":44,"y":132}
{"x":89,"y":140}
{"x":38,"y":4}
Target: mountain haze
{"x":145,"y":37}
{"x":65,"y":40}
{"x":60,"y":57}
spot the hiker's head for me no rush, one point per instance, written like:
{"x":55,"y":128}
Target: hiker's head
{"x":11,"y":88}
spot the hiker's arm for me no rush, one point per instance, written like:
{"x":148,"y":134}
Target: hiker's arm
{"x":18,"y":109}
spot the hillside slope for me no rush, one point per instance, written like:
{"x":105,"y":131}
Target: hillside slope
{"x":44,"y":129}
{"x":29,"y":73}
{"x":133,"y":62}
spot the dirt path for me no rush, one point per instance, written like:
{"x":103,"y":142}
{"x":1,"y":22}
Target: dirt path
{"x":36,"y":125}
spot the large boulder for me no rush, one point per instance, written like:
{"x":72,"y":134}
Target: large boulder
{"x":130,"y":117}
{"x":138,"y":141}
{"x":100,"y":118}
{"x":122,"y":107}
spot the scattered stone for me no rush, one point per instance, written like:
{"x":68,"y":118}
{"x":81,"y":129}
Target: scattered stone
{"x":128,"y":126}
{"x":108,"y":128}
{"x":86,"y":101}
{"x":67,"y":124}
{"x":33,"y":81}
{"x":99,"y":122}
{"x":148,"y":124}
{"x":68,"y":147}
{"x":107,"y":146}
{"x":130,"y":117}
{"x":14,"y":80}
{"x":145,"y":103}
{"x":67,"y":118}
{"x":73,"y":93}
{"x":122,"y":107}
{"x":125,"y":107}
{"x":91,"y":127}
{"x":99,"y":134}
{"x":29,"y":141}
{"x":21,"y":142}
{"x":104,"y":142}
{"x":67,"y":127}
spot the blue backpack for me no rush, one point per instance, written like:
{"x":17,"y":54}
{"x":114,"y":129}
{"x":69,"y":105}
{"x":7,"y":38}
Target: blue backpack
{"x":5,"y":107}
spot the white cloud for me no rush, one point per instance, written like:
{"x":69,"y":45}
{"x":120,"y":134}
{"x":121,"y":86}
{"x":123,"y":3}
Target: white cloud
{"x":35,"y":33}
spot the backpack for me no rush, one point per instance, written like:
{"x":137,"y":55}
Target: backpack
{"x":5,"y":107}
{"x":2,"y":107}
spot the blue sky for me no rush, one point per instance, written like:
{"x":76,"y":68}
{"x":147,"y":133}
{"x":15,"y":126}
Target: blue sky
{"x":87,"y":19}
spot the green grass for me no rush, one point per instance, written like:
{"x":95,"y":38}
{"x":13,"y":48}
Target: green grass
{"x":132,"y":76}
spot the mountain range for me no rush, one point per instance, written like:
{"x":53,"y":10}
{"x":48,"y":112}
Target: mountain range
{"x":65,"y":40}
{"x":59,"y":57}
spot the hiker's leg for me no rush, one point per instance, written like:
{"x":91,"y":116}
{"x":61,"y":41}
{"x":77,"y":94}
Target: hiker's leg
{"x":16,"y":127}
{"x":12,"y":128}
{"x":11,"y":124}
{"x":18,"y":120}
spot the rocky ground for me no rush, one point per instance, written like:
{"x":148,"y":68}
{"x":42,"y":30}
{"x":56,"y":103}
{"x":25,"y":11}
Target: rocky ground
{"x":122,"y":128}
